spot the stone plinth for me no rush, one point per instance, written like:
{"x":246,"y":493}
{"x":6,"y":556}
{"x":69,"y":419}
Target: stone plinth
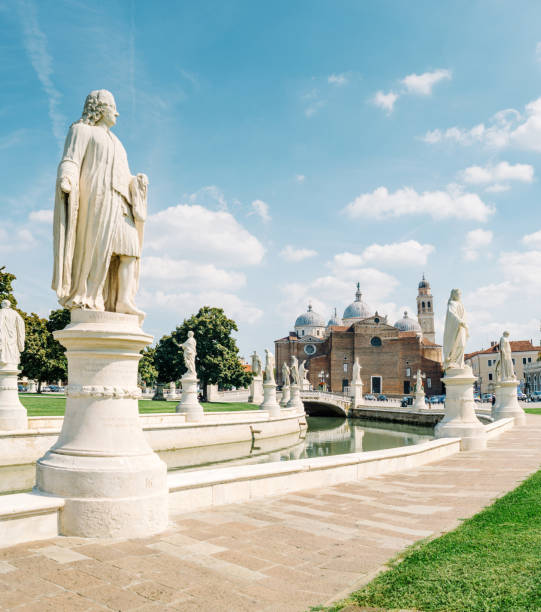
{"x":460,"y":420}
{"x":12,"y":412}
{"x":114,"y":485}
{"x":256,"y":390}
{"x":269,"y":401}
{"x":158,"y":395}
{"x":419,"y":401}
{"x":295,"y":401}
{"x":507,"y":405}
{"x":356,"y":393}
{"x":189,"y":404}
{"x":285,"y":396}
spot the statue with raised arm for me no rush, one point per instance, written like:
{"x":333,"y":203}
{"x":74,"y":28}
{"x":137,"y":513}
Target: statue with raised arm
{"x":285,"y":374}
{"x":100,"y":209}
{"x":356,"y":373}
{"x":303,"y":373}
{"x":456,"y":332}
{"x":11,"y":335}
{"x":257,"y":366}
{"x":189,"y":349}
{"x":295,"y":377}
{"x":269,"y":367}
{"x":419,"y":382}
{"x":507,"y":371}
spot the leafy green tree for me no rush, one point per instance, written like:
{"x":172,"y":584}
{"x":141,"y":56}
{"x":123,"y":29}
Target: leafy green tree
{"x":147,"y":369}
{"x":217,"y":360}
{"x":56,"y":365}
{"x":34,"y":356}
{"x":6,"y":289}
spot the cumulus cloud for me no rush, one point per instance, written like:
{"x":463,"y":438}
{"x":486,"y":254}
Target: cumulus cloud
{"x":194,"y":232}
{"x":337,"y":79}
{"x":41,"y":216}
{"x":381,"y":204}
{"x":504,"y":171}
{"x":532,"y":240}
{"x":475,"y":241}
{"x":190,"y":273}
{"x":407,"y":253}
{"x":291,"y":253}
{"x":261,"y":209}
{"x":385,"y":100}
{"x":422,"y":84}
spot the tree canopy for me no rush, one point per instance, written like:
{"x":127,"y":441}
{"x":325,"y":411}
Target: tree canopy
{"x":148,"y":373}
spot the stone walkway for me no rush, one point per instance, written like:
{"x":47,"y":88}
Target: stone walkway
{"x":280,"y":554}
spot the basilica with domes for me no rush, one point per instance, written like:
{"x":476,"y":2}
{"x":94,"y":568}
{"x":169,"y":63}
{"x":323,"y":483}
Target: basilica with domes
{"x":389,"y":354}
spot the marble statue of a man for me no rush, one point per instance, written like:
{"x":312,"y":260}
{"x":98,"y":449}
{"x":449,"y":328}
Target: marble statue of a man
{"x":257,"y":366}
{"x":295,"y":371}
{"x":419,"y":382}
{"x":189,"y":349}
{"x":303,"y":372}
{"x":356,"y":373}
{"x":269,"y":367}
{"x":285,"y":374}
{"x":507,"y":371}
{"x":11,"y":335}
{"x":100,"y":209}
{"x":455,"y":333}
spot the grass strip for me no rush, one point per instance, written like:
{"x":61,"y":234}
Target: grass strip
{"x":492,"y":562}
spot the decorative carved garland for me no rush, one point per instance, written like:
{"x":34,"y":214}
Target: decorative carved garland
{"x":103,"y":392}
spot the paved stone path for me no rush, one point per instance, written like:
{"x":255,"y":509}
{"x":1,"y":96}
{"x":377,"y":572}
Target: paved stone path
{"x":280,"y":554}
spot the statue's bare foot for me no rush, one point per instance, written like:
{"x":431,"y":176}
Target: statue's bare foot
{"x":129,"y":307}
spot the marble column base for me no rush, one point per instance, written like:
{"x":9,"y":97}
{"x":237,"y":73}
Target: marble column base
{"x":507,"y":405}
{"x":113,"y":484}
{"x":12,"y":413}
{"x":285,"y":396}
{"x":189,"y":404}
{"x":295,"y":401}
{"x":419,"y":402}
{"x":460,"y":420}
{"x":269,"y":401}
{"x":357,"y":394}
{"x":256,"y":390}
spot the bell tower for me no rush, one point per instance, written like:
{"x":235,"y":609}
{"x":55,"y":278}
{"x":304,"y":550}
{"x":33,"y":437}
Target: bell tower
{"x":425,"y":310}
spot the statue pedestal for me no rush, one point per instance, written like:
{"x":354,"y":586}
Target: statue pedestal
{"x":113,"y":483}
{"x":256,"y":390}
{"x":269,"y":402}
{"x":158,"y":395}
{"x":286,"y":395}
{"x":12,"y":412}
{"x":295,"y":398}
{"x":507,"y":405}
{"x":189,"y":404}
{"x":356,"y":394}
{"x":460,"y":420}
{"x":419,"y":401}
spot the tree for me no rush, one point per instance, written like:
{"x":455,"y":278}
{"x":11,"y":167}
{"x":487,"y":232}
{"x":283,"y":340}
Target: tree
{"x":34,"y":356}
{"x":6,"y":289}
{"x":147,"y":368}
{"x":217,"y":360}
{"x":56,"y":365}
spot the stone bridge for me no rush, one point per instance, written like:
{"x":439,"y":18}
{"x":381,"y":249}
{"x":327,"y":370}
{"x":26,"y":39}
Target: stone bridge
{"x":325,"y":402}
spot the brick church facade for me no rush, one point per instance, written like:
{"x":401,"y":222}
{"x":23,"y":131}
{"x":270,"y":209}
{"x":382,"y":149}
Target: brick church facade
{"x":389,"y":355}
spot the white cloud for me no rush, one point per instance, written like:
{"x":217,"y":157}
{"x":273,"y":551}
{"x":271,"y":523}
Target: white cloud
{"x":504,"y":171}
{"x":408,"y":253}
{"x":313,"y":102}
{"x":422,"y":84}
{"x":191,"y":273}
{"x":12,"y":139}
{"x":291,"y":253}
{"x":300,"y":178}
{"x":261,"y":209}
{"x":475,"y":241}
{"x":194,"y":232}
{"x":522,"y":269}
{"x":385,"y":100}
{"x":41,"y":216}
{"x":489,"y":296}
{"x":381,"y":204}
{"x":337,"y":79}
{"x":497,"y":188}
{"x":533,"y":240}
{"x":209,"y":196}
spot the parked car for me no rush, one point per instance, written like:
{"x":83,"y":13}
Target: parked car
{"x":406,"y":401}
{"x":436,"y":399}
{"x":55,"y":388}
{"x":522,"y":396}
{"x":535,"y":396}
{"x":486,"y":397}
{"x":369,"y":396}
{"x":21,"y":388}
{"x":382,"y":398}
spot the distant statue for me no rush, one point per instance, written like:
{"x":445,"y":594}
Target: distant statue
{"x":303,"y":373}
{"x":189,"y":349}
{"x":507,"y":371}
{"x":257,"y":366}
{"x":269,"y":367}
{"x":356,"y":374}
{"x":295,"y":371}
{"x":285,"y":374}
{"x":11,"y":335}
{"x":455,"y":334}
{"x":419,"y":382}
{"x":100,"y":209}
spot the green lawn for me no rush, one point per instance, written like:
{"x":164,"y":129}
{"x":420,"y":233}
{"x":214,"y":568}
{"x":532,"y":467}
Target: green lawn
{"x":45,"y":405}
{"x":533,"y":410}
{"x":491,"y":562}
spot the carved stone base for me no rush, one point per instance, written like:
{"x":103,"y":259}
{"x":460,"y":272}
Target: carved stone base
{"x":189,"y":404}
{"x":113,"y":483}
{"x":256,"y":390}
{"x":419,"y":401}
{"x":356,"y":394}
{"x":460,"y":420}
{"x":12,"y":412}
{"x":269,"y":401}
{"x":295,"y":398}
{"x":507,"y":405}
{"x":285,"y":396}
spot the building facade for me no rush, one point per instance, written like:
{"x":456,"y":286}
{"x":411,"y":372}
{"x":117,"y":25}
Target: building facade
{"x":389,"y":355}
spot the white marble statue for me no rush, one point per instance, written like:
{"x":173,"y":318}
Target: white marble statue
{"x":285,"y":374}
{"x":257,"y":366}
{"x":303,"y":373}
{"x":419,"y":382}
{"x":356,"y":373}
{"x":455,"y":334}
{"x":269,"y":367}
{"x":507,"y":371}
{"x":295,"y":377}
{"x":100,"y":209}
{"x":189,"y":349}
{"x":11,"y":335}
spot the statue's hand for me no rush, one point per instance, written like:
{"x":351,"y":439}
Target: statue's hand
{"x":65,"y":185}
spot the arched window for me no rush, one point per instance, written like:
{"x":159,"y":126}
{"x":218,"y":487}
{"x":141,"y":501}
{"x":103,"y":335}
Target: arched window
{"x":428,"y":304}
{"x":375,"y":341}
{"x":423,"y":304}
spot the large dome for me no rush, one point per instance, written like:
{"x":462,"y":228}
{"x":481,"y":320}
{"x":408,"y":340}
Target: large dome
{"x":357,"y":309}
{"x":408,"y":324}
{"x":310,"y":319}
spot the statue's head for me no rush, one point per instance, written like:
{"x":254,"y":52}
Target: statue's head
{"x":190,"y":334}
{"x":6,"y":304}
{"x":99,"y":105}
{"x":455,"y":295}
{"x":506,"y":334}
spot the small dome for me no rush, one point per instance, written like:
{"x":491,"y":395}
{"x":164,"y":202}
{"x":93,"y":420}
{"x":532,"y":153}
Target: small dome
{"x":310,"y":319}
{"x":408,"y":324}
{"x":334,"y":320}
{"x":424,"y":284}
{"x":357,"y":309}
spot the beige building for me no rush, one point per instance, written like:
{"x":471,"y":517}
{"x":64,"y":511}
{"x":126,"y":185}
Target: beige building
{"x":532,"y":376}
{"x":484,"y":362}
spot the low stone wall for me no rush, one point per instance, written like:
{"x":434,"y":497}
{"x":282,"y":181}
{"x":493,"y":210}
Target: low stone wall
{"x":405,"y":415}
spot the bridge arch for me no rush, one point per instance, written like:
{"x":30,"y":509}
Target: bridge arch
{"x":321,"y":403}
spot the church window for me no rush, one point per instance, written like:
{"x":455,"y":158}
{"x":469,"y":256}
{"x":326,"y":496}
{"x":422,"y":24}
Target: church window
{"x":429,"y":383}
{"x":309,"y":349}
{"x":375,"y":341}
{"x":408,"y":372}
{"x":376,"y":319}
{"x":423,"y":304}
{"x":303,"y":332}
{"x":524,"y":360}
{"x":490,"y":376}
{"x":345,"y":367}
{"x":428,"y":304}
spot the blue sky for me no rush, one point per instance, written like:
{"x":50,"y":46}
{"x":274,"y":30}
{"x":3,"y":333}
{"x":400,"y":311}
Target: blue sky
{"x":292,"y":149}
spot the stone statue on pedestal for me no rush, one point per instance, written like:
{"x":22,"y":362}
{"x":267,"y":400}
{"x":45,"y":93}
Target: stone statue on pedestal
{"x":100,"y":209}
{"x":456,"y":332}
{"x":295,"y":377}
{"x":356,"y":373}
{"x":11,"y":335}
{"x":257,"y":366}
{"x":507,"y":371}
{"x":189,"y":349}
{"x":269,"y":367}
{"x":419,"y":382}
{"x":285,"y":374}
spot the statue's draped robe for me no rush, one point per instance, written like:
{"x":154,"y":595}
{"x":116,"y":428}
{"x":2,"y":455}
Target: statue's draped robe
{"x":85,"y":221}
{"x":189,"y":349}
{"x":454,"y":335}
{"x":285,"y":374}
{"x":507,"y":371}
{"x":11,"y":336}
